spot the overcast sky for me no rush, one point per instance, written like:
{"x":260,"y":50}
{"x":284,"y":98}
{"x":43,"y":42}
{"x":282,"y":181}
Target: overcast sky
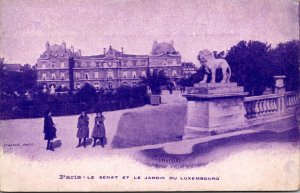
{"x":25,"y":26}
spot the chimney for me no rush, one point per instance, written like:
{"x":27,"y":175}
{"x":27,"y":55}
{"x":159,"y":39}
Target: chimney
{"x":122,"y":49}
{"x":104,"y":51}
{"x":64,"y":45}
{"x":72,"y":49}
{"x":47,"y":45}
{"x":154,"y":46}
{"x":79,"y":52}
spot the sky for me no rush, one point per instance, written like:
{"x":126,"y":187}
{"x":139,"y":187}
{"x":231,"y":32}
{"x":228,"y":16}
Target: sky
{"x":91,"y":25}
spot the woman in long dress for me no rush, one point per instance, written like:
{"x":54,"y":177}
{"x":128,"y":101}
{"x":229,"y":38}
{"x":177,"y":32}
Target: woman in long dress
{"x":99,"y":129}
{"x":83,"y":128}
{"x":49,"y":130}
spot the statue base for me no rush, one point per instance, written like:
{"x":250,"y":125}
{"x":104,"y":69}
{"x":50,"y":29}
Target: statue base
{"x":214,"y":108}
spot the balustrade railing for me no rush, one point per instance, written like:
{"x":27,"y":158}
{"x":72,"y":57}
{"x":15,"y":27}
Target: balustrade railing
{"x":292,"y":99}
{"x":265,"y":105}
{"x":259,"y":106}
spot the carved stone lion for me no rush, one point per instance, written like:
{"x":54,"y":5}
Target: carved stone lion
{"x":211,"y":64}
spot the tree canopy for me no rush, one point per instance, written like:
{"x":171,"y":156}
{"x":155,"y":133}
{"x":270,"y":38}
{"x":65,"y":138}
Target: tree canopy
{"x":251,"y":65}
{"x":254,"y":63}
{"x":155,"y":80}
{"x":285,"y":58}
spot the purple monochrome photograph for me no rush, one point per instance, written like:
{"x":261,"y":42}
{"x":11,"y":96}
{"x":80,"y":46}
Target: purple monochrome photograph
{"x":140,"y":95}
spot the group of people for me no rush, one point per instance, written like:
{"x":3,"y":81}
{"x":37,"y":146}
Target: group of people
{"x":98,"y":132}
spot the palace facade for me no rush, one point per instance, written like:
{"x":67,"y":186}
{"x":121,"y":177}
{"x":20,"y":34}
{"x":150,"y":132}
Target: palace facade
{"x":188,"y":68}
{"x":59,"y":65}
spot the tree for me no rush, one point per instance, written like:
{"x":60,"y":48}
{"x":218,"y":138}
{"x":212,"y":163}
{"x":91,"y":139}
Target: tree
{"x":13,"y":82}
{"x":87,"y":96}
{"x":29,"y":76}
{"x":122,"y":94}
{"x":251,"y":66}
{"x":155,"y":80}
{"x":285,"y":60}
{"x":71,"y":74}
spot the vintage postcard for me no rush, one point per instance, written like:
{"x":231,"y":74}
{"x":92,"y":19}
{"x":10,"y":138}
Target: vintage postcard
{"x":140,"y":95}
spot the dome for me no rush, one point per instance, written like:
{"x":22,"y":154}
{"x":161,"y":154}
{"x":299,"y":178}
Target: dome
{"x":163,"y":48}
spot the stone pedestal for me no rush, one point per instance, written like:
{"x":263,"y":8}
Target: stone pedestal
{"x":279,"y":84}
{"x":214,"y":108}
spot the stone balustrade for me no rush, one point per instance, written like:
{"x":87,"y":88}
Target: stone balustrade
{"x":258,"y":106}
{"x":271,"y":104}
{"x":292,"y":99}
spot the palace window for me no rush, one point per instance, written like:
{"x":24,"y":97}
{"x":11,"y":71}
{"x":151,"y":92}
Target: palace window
{"x":77,"y":75}
{"x":174,"y":73}
{"x":124,"y":74}
{"x":134,"y":74}
{"x":143,"y":73}
{"x":97,"y":64}
{"x":78,"y":64}
{"x":86,"y":76}
{"x":110,"y":74}
{"x":44,"y":76}
{"x":62,"y":76}
{"x":169,"y":72}
{"x":62,"y":64}
{"x":52,"y":65}
{"x":96,"y":74}
{"x":53,"y":76}
{"x":88,"y":64}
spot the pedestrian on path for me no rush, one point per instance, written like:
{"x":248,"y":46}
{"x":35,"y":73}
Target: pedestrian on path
{"x":49,"y":130}
{"x":99,"y":130}
{"x":83,"y":128}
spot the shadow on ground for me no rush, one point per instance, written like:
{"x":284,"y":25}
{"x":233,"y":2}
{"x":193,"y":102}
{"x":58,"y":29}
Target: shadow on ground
{"x":56,"y":144}
{"x":214,"y":150}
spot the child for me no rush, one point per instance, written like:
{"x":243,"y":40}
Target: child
{"x":83,"y":128}
{"x":99,"y":129}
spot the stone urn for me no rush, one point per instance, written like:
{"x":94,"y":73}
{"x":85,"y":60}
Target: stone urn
{"x":279,"y":83}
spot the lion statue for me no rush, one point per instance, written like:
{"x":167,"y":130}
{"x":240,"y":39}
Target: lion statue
{"x":211,"y":64}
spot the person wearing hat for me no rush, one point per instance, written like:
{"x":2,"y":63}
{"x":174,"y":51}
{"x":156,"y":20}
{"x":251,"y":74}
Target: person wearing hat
{"x":49,"y":130}
{"x":83,"y":128}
